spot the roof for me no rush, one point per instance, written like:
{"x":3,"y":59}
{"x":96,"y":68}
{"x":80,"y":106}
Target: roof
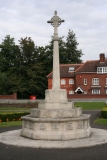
{"x":91,"y":66}
{"x":64,"y":70}
{"x":87,"y":67}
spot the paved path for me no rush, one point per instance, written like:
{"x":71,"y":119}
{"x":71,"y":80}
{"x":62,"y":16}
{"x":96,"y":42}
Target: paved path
{"x":8,"y":152}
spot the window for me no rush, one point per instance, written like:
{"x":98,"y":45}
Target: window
{"x":101,"y":70}
{"x":85,"y":81}
{"x":71,"y":92}
{"x":106,"y":91}
{"x":95,"y":91}
{"x":63,"y":81}
{"x":71,"y":69}
{"x":71,"y":81}
{"x":95,"y":81}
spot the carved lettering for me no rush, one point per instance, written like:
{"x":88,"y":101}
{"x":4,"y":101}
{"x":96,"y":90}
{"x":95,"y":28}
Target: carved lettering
{"x":80,"y":125}
{"x":55,"y":126}
{"x":42,"y":126}
{"x":31,"y":126}
{"x":69,"y":126}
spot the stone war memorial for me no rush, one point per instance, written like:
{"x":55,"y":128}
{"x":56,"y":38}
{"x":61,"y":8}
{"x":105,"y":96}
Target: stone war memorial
{"x":56,"y":119}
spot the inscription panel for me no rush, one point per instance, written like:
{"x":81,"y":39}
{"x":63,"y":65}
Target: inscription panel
{"x":69,"y":126}
{"x":42,"y":126}
{"x":31,"y":126}
{"x":80,"y":125}
{"x":55,"y":127}
{"x":26,"y":125}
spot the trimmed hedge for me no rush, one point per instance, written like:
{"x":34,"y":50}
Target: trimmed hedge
{"x":20,"y":105}
{"x":104,"y":113}
{"x":12,"y":116}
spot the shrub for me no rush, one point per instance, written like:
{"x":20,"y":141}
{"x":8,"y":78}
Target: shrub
{"x":104,"y":113}
{"x":12,"y":116}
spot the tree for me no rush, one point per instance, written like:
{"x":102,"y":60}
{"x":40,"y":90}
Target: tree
{"x":25,"y":66}
{"x":71,"y":45}
{"x":4,"y":84}
{"x":68,"y":49}
{"x":7,"y":53}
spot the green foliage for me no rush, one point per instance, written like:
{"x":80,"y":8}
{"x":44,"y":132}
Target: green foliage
{"x":104,"y":113}
{"x":73,"y":54}
{"x":12,"y":116}
{"x":24,"y":67}
{"x":68,"y":49}
{"x":4,"y":83}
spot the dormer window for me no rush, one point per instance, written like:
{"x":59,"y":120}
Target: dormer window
{"x":101,"y":70}
{"x":71,"y":69}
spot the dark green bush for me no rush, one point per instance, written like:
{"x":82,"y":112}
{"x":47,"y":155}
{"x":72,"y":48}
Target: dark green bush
{"x":104,"y":113}
{"x":12,"y":116}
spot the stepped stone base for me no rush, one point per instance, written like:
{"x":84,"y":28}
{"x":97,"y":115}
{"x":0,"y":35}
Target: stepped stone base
{"x":56,"y":129}
{"x":55,"y":119}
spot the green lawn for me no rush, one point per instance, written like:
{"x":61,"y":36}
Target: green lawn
{"x":100,"y":121}
{"x":10,"y":124}
{"x":90,"y":105}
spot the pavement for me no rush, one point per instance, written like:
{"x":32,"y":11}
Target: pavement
{"x":99,"y":152}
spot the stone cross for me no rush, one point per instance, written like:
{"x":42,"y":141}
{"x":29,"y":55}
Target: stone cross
{"x":55,"y":22}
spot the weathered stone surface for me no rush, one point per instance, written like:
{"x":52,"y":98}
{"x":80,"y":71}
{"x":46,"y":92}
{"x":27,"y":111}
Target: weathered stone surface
{"x":55,"y":105}
{"x":55,"y":113}
{"x":56,"y":129}
{"x":56,"y":96}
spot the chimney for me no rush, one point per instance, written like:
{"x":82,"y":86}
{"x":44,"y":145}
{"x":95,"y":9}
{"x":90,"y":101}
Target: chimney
{"x":102,"y":57}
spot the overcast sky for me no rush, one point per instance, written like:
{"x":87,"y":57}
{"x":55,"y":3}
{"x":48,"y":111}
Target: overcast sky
{"x":87,"y":19}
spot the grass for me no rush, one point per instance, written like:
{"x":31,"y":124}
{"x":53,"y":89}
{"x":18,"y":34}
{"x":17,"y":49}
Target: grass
{"x":100,"y":121}
{"x":90,"y":105}
{"x":10,"y":124}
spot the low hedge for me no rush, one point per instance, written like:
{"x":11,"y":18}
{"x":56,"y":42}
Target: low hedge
{"x":12,"y":116}
{"x":104,"y":113}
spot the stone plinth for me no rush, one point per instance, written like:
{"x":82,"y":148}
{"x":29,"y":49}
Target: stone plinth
{"x":56,"y":119}
{"x":56,"y":129}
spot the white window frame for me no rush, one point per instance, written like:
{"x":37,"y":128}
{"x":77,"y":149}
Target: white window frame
{"x":101,"y":70}
{"x":63,"y":81}
{"x":85,"y":81}
{"x":106,"y":91}
{"x":71,"y":81}
{"x":95,"y":81}
{"x":71,"y":69}
{"x":95,"y":91}
{"x":71,"y":92}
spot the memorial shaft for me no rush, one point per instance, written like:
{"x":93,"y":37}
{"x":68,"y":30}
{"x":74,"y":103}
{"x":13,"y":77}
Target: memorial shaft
{"x":55,"y":22}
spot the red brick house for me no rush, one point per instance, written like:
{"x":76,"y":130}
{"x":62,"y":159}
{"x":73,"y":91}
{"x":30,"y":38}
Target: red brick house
{"x":86,"y":80}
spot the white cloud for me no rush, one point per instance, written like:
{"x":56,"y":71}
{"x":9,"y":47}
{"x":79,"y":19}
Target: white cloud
{"x":88,"y":20}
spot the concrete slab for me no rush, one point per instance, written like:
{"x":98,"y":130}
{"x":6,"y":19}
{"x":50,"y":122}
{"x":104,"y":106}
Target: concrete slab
{"x":98,"y":137}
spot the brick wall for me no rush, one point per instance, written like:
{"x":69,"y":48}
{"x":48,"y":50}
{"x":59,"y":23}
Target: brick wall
{"x":85,"y":96}
{"x":14,"y":96}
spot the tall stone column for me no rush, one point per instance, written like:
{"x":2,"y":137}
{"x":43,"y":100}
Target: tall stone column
{"x":55,"y":22}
